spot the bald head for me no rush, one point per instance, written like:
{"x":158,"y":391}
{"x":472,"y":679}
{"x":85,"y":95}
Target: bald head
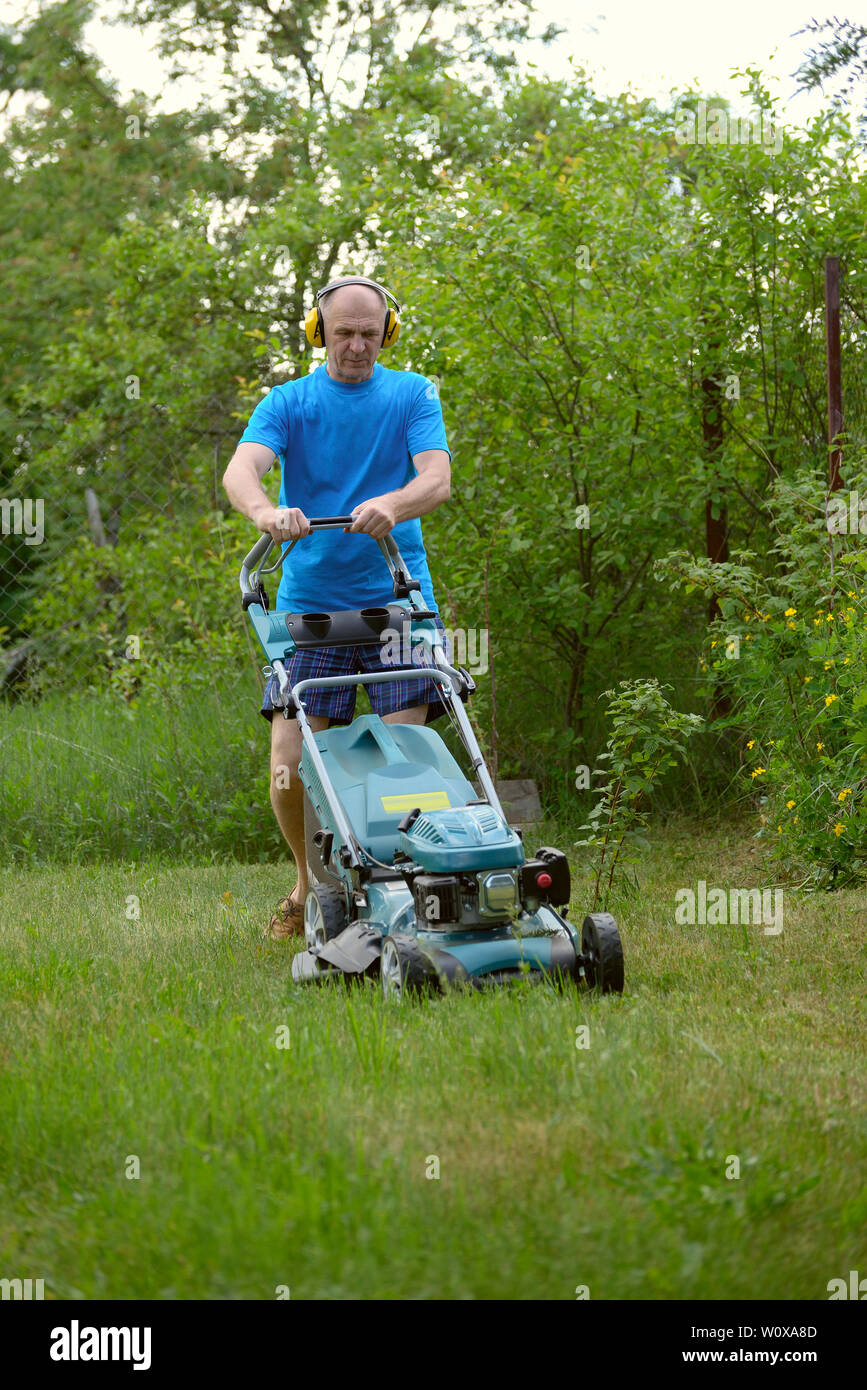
{"x":354,"y":317}
{"x":351,"y":298}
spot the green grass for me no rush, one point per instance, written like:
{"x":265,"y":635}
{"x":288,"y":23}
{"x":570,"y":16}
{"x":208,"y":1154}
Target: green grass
{"x":181,"y":774}
{"x":306,"y":1166}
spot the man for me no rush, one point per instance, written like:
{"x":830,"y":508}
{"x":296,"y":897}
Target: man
{"x":354,"y":439}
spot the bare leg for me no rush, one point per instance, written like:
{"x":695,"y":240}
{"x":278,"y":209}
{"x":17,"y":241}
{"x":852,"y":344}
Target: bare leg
{"x":416,"y":714}
{"x":287,"y":796}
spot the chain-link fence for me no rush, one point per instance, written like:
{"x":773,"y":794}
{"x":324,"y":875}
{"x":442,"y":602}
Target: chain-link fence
{"x":69,"y":496}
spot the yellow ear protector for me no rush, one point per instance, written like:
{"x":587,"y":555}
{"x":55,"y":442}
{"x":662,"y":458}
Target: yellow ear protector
{"x":314,"y":324}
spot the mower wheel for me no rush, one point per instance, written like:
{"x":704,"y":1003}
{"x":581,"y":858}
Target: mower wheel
{"x":403,"y":968}
{"x":324,"y":915}
{"x":603,"y":953}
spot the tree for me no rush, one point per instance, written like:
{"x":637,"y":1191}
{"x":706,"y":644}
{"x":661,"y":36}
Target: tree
{"x":76,"y":169}
{"x":619,"y":325}
{"x":841,"y":55}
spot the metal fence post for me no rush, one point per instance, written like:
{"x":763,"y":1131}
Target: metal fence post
{"x":834,"y":373}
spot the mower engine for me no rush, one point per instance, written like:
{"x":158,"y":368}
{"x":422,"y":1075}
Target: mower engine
{"x":467,"y":869}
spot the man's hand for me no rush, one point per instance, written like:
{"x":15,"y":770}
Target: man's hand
{"x":283,"y":523}
{"x":376,"y":517}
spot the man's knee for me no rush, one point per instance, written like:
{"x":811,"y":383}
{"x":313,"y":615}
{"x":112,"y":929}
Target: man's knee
{"x":285,"y":752}
{"x":416,"y":714}
{"x":286,"y":746}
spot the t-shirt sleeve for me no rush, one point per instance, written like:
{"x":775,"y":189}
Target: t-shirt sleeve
{"x":269,"y":423}
{"x":425,"y":427}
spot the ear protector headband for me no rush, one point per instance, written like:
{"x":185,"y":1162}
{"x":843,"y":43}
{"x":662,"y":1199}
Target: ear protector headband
{"x":314,"y":324}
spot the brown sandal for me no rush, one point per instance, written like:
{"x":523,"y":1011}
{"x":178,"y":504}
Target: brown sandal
{"x":287,"y":921}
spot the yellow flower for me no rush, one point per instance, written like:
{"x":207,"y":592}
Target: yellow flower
{"x":789,"y":805}
{"x":792,"y":626}
{"x":828,"y":665}
{"x":820,"y":746}
{"x":790,"y":612}
{"x":838,"y":829}
{"x":807,"y":680}
{"x":847,"y":791}
{"x":757,"y":772}
{"x":829,"y":699}
{"x":794,"y":820}
{"x":779,"y":830}
{"x":752,"y":743}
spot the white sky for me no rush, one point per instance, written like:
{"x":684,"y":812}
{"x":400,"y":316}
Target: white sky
{"x":651,"y":46}
{"x":664,"y":45}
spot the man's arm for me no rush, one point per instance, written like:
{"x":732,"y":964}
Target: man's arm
{"x":243,"y":483}
{"x":433,"y":486}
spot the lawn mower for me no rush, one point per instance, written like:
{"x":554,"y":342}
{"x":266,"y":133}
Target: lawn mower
{"x":416,"y":876}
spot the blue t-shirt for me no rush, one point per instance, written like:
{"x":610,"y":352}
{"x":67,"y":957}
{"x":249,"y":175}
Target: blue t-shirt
{"x":340,"y":445}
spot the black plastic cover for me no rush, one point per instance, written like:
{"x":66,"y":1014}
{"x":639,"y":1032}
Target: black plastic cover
{"x":437,"y":898}
{"x":555,"y":863}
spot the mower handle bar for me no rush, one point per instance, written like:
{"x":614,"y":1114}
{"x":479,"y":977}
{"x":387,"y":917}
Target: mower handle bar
{"x":252,"y":563}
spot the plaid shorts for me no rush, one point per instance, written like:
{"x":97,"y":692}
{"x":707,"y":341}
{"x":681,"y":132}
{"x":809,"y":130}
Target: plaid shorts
{"x":337,"y":702}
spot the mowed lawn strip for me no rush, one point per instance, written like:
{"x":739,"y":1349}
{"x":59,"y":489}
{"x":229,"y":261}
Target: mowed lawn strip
{"x":284,"y":1136}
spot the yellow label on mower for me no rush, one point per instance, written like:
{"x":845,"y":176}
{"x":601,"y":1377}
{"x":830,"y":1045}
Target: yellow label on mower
{"x":425,"y":801}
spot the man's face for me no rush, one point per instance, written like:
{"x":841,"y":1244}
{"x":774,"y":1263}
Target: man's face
{"x":353,"y":332}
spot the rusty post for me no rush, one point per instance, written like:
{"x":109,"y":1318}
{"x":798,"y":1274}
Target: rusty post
{"x":832,"y":356}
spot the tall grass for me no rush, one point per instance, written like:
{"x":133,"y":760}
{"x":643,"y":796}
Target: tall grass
{"x":181,"y":774}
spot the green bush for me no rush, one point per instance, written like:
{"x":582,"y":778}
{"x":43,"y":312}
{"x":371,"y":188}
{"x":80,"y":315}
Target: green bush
{"x":788,"y":653}
{"x":647,"y":739}
{"x":165,"y":598}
